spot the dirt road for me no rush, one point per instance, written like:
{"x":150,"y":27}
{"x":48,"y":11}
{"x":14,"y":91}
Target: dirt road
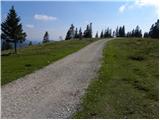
{"x":55,"y":90}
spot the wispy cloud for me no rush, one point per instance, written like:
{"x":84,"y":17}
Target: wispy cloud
{"x":44,"y":17}
{"x":140,"y":3}
{"x":122,"y":8}
{"x":29,"y":26}
{"x":147,"y":2}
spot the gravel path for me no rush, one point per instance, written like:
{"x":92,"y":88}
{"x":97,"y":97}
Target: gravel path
{"x":55,"y":90}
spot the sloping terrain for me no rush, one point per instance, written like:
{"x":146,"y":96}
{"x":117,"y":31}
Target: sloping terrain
{"x":54,"y":91}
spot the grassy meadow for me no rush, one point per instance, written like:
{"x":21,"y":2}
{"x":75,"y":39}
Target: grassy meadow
{"x":128,"y":82}
{"x":32,"y":58}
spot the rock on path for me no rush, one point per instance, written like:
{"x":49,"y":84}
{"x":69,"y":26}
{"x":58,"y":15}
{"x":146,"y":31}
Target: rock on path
{"x":55,"y":90}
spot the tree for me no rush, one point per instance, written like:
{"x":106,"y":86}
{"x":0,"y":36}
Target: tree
{"x":70,"y":33}
{"x":146,"y":35}
{"x":157,"y":29}
{"x":137,"y":32}
{"x":110,"y":32}
{"x":30,"y":43}
{"x":12,"y":31}
{"x":120,"y":32}
{"x":117,"y":32}
{"x":105,"y":33}
{"x":129,"y":34}
{"x":102,"y":36}
{"x":154,"y":30}
{"x":123,"y":31}
{"x":46,"y":37}
{"x":133,"y":33}
{"x":76,"y":33}
{"x":96,"y":36}
{"x":80,"y":33}
{"x":88,"y":32}
{"x":114,"y":34}
{"x":6,"y":45}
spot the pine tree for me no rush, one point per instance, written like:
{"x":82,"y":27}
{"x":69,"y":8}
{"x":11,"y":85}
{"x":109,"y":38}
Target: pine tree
{"x":102,"y":36}
{"x":80,"y":33}
{"x":30,"y":43}
{"x":120,"y":32}
{"x":105,"y":33}
{"x":96,"y":36}
{"x":138,"y":32}
{"x":86,"y":32}
{"x":146,"y":35}
{"x":157,"y":29}
{"x":114,"y":34}
{"x":76,"y":33}
{"x":133,"y":33}
{"x":154,"y":30}
{"x":12,"y":31}
{"x":110,"y":32}
{"x":117,"y":32}
{"x":90,"y":30}
{"x":123,"y":31}
{"x":46,"y":37}
{"x":70,"y":33}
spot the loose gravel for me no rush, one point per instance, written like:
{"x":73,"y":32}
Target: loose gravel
{"x":55,"y":90}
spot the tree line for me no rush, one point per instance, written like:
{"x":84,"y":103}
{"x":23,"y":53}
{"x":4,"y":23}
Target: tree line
{"x":137,"y":32}
{"x":154,"y":31}
{"x":12,"y":32}
{"x":75,"y":33}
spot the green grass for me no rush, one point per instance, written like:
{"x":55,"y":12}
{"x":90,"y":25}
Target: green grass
{"x":127,"y":85}
{"x":35,"y":57}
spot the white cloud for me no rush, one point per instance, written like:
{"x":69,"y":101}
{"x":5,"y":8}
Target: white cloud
{"x":44,"y":17}
{"x":141,"y":3}
{"x":29,"y":26}
{"x":146,"y":2}
{"x":153,"y":3}
{"x":122,"y":8}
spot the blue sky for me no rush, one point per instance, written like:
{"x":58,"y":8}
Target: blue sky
{"x":56,"y":17}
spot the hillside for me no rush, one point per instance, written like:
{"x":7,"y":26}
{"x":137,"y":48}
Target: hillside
{"x":127,"y":85}
{"x":35,"y":57}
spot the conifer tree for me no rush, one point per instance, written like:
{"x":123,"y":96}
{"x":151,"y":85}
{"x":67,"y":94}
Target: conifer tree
{"x":101,"y":36}
{"x":71,"y":33}
{"x":12,"y":31}
{"x":86,"y":32}
{"x":90,"y":30}
{"x":46,"y":37}
{"x":80,"y":33}
{"x":123,"y":31}
{"x":30,"y":43}
{"x":96,"y":36}
{"x":117,"y":32}
{"x":146,"y":35}
{"x":154,"y":30}
{"x":76,"y":33}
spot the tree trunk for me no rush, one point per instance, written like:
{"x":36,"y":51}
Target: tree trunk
{"x":15,"y":47}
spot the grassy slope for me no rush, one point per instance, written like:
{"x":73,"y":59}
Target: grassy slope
{"x":127,"y":86}
{"x":35,"y":57}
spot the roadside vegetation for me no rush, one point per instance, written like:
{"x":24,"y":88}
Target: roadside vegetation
{"x":35,"y":57}
{"x":127,"y":85}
